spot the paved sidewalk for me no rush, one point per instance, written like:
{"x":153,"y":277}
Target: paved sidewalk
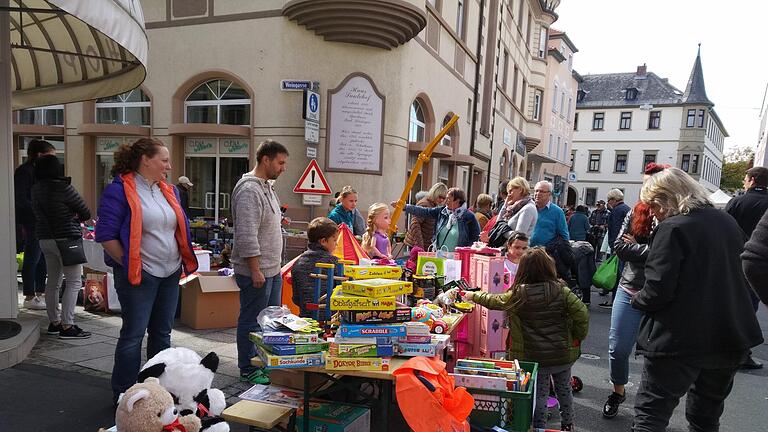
{"x":95,"y":356}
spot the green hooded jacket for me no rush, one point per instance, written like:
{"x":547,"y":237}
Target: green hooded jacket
{"x":546,"y":321}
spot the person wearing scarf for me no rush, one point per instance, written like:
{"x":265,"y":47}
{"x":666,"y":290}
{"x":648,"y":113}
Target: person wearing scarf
{"x":456,"y":225}
{"x":518,"y":210}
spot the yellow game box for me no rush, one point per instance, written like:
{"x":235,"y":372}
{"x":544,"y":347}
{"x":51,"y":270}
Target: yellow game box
{"x":377,"y":287}
{"x":360,"y":364}
{"x":372,"y":272}
{"x":342,"y":301}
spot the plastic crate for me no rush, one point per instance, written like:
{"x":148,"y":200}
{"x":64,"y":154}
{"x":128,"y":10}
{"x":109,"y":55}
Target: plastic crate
{"x":510,"y":410}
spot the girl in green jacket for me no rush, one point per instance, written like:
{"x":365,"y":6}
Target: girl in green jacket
{"x":547,"y":323}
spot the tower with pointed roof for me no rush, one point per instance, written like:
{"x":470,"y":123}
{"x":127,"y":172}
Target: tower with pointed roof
{"x":626,"y":120}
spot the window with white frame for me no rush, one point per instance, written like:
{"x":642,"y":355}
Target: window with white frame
{"x":654,"y":120}
{"x":448,"y":138}
{"x":542,"y":42}
{"x":554,"y":100}
{"x":537,"y":95}
{"x":597,"y":121}
{"x":594,"y":162}
{"x":417,"y":126}
{"x":648,"y":158}
{"x":625,"y":121}
{"x":685,"y":164}
{"x":621,"y":163}
{"x":131,"y":108}
{"x":218,"y":101}
{"x":52,"y":115}
{"x":460,"y":15}
{"x":590,"y":196}
{"x":444,"y":173}
{"x":691,"y":118}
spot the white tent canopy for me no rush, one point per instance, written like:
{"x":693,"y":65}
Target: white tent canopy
{"x":72,"y":50}
{"x":719,"y":198}
{"x":55,"y":52}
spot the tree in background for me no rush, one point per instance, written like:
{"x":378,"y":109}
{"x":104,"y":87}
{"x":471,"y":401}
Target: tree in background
{"x":735,"y":165}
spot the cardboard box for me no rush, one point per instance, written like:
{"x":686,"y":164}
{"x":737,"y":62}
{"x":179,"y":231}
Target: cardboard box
{"x":360,"y":350}
{"x":401,"y":314}
{"x":372,"y":272}
{"x":341,"y":301}
{"x":209,"y":301}
{"x":295,"y":349}
{"x":377,"y":287}
{"x":359,"y":364}
{"x":290,"y":361}
{"x":435,"y":347}
{"x":294,"y":378}
{"x":371,"y":330}
{"x":335,"y":417}
{"x":284,"y":338}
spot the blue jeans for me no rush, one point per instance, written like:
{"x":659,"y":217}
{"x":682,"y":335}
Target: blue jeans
{"x":625,"y":323}
{"x":146,"y":308}
{"x":252,"y":301}
{"x":33,"y":269}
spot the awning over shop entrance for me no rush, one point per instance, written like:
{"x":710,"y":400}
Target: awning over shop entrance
{"x":54,"y":52}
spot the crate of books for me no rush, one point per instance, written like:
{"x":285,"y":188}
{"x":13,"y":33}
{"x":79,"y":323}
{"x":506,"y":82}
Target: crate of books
{"x":504,"y":392}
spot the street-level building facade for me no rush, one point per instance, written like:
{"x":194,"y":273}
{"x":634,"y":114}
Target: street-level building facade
{"x":551,"y":159}
{"x":222,"y":77}
{"x":626,"y":120}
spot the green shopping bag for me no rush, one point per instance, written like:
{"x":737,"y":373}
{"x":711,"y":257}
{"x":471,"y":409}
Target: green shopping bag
{"x":606,"y":275}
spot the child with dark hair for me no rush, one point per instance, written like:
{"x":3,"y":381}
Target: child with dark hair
{"x":323,"y":234}
{"x":547,"y":323}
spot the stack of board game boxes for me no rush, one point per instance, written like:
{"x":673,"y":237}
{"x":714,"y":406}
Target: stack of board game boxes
{"x":289,"y":350}
{"x":418,"y":341}
{"x":372,"y":321}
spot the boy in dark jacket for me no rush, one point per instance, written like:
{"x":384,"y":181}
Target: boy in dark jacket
{"x":322,"y":234}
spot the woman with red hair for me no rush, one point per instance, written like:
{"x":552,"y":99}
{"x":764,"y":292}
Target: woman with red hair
{"x":631,"y":246}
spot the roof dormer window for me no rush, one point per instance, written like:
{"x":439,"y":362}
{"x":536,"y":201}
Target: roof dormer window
{"x":631,"y":94}
{"x":580,"y":95}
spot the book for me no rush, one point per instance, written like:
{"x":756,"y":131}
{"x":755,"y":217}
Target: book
{"x":274,"y":395}
{"x":360,"y":364}
{"x":400,"y":314}
{"x":363,"y":330}
{"x":289,"y":361}
{"x":341,"y":301}
{"x":377,"y":287}
{"x":285,"y":338}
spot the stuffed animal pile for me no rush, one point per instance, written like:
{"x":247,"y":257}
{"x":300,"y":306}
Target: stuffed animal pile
{"x":188,"y":378}
{"x":148,"y":407}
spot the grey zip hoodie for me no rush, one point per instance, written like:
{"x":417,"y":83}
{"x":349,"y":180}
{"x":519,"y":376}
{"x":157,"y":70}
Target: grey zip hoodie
{"x":256,"y":218}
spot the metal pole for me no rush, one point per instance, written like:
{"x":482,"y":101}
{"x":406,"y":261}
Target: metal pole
{"x":9,"y":303}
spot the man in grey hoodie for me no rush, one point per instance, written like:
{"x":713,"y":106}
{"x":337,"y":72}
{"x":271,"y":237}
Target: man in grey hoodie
{"x":257,"y":249}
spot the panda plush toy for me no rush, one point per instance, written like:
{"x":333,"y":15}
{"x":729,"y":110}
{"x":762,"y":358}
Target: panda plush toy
{"x":188,"y":377}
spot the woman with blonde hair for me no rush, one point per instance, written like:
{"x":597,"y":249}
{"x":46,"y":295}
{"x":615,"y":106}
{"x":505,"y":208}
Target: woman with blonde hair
{"x":518,"y":211}
{"x":693,"y":270}
{"x":421,"y":230}
{"x":375,"y":240}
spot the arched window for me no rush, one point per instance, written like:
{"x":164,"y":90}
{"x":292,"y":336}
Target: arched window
{"x":130,"y":108}
{"x":220,"y":102}
{"x":417,"y":125}
{"x":448,"y":138}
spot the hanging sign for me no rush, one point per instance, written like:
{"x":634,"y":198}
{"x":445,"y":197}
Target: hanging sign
{"x":312,"y":181}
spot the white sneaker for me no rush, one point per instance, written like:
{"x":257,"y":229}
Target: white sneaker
{"x":36,"y":303}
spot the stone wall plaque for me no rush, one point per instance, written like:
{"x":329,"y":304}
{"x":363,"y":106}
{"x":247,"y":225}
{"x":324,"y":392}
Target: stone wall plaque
{"x":355,"y":125}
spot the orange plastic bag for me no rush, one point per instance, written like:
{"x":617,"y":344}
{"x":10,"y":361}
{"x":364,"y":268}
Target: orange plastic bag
{"x":428,"y":399}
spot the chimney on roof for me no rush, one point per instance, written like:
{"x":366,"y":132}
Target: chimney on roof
{"x":641,"y":70}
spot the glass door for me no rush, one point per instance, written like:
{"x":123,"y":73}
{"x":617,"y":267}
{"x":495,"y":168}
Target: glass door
{"x":230,"y":171}
{"x":201,"y":171}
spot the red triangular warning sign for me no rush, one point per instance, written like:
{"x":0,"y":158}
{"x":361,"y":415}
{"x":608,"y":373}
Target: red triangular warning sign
{"x":312,"y":181}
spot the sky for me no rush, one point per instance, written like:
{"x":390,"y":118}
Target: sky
{"x":619,"y":35}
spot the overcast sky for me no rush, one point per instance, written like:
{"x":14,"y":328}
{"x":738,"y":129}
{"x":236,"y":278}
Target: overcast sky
{"x":618,"y":35}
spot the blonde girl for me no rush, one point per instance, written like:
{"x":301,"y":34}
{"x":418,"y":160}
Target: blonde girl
{"x":375,"y":240}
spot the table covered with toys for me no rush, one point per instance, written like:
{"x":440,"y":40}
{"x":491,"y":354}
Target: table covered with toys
{"x":372,"y":322}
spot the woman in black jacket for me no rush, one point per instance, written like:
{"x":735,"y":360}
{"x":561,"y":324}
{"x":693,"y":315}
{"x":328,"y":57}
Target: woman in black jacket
{"x":55,"y":204}
{"x":699,"y":323}
{"x":631,"y":247}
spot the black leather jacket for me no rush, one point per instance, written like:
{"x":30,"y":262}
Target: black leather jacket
{"x":56,"y":203}
{"x":633,"y":255}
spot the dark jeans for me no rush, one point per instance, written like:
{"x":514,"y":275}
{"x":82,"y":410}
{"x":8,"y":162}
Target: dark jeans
{"x":252,"y":301}
{"x":147,"y":308}
{"x":666,"y":380}
{"x":33,"y":268}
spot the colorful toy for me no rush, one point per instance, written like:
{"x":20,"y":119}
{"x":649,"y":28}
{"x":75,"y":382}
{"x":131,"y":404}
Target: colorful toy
{"x":430,"y":314}
{"x":148,"y":407}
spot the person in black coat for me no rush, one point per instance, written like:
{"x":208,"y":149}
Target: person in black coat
{"x":755,"y":259}
{"x":747,"y":209}
{"x":58,"y":210}
{"x":699,"y":324}
{"x":33,"y":267}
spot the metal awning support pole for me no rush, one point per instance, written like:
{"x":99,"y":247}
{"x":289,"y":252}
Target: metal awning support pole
{"x":9,"y":303}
